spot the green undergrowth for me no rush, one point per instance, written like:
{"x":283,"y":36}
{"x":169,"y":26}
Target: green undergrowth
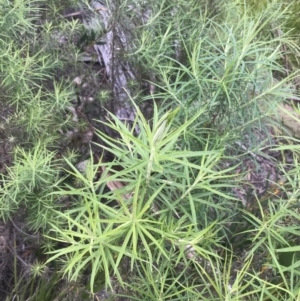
{"x":159,"y":219}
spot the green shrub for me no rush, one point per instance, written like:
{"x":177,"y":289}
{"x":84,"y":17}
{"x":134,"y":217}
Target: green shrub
{"x":157,"y":221}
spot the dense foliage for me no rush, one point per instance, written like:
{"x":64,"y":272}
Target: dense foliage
{"x":164,"y":208}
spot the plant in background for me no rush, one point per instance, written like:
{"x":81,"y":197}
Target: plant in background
{"x":33,"y":117}
{"x":45,"y":287}
{"x":103,"y":96}
{"x":227,"y":68}
{"x":33,"y":111}
{"x":25,"y":183}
